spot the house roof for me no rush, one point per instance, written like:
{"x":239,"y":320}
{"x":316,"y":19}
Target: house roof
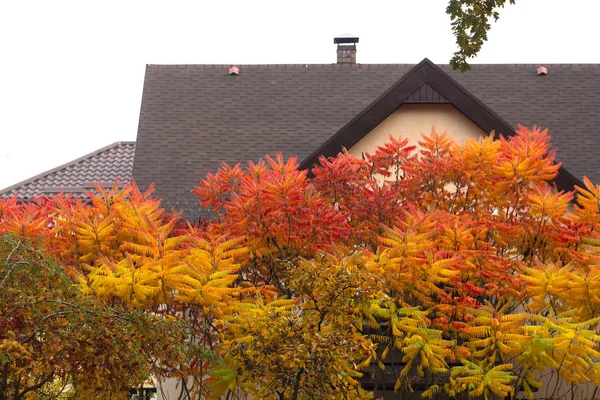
{"x":195,"y":116}
{"x":424,"y":83}
{"x":101,"y":166}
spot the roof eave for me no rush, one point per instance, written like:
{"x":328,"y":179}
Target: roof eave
{"x":6,"y":190}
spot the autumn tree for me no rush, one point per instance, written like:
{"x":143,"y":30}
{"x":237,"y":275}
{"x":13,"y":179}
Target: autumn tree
{"x":124,"y":249}
{"x":294,"y":333}
{"x":55,"y":340}
{"x":439,"y":268}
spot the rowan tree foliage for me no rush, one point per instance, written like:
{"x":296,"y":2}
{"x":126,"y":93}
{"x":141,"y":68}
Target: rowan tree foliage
{"x":54,"y":340}
{"x":470,"y":24}
{"x":442,"y":267}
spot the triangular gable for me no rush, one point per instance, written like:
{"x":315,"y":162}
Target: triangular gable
{"x":426,"y":94}
{"x":424,"y":83}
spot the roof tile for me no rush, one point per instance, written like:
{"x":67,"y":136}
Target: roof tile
{"x":104,"y":165}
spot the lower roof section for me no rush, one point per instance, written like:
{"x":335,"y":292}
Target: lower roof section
{"x":78,"y":176}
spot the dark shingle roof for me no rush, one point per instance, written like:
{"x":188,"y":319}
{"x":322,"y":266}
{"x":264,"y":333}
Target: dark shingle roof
{"x":195,"y":116}
{"x":103,"y":165}
{"x":566,"y":101}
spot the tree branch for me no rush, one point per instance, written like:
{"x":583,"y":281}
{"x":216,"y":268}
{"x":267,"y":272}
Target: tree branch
{"x":35,"y":387}
{"x":4,"y":381}
{"x":12,"y":267}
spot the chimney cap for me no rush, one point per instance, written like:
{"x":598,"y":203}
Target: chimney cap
{"x":542,"y":70}
{"x":233,"y":70}
{"x":345,"y":38}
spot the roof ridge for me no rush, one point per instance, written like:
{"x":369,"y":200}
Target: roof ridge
{"x":530,"y":64}
{"x":64,"y":166}
{"x":359,"y":65}
{"x":295,"y":65}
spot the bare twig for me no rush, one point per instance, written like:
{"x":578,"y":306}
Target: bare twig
{"x":12,"y":267}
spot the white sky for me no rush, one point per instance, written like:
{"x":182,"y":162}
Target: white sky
{"x":72,"y":72}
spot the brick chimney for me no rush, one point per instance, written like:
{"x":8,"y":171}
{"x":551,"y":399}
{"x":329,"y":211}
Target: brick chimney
{"x":346,"y":48}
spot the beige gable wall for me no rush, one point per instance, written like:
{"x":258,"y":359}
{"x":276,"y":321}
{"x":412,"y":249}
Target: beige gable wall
{"x":412,"y":120}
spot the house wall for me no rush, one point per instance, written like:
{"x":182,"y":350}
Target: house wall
{"x":168,"y":389}
{"x":412,"y":120}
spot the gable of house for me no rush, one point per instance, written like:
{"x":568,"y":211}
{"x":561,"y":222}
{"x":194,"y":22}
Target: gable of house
{"x":425,"y":98}
{"x":412,"y":120}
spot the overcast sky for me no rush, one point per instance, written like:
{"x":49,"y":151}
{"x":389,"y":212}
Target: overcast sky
{"x":72,"y":72}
